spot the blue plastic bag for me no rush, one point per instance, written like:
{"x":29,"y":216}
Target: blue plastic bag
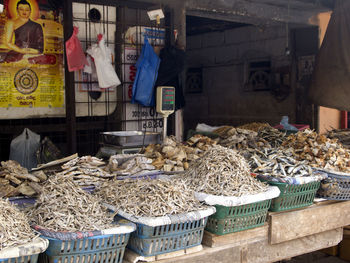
{"x":147,"y":71}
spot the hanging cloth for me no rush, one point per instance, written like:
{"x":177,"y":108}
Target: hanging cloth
{"x":331,"y":76}
{"x":170,"y":68}
{"x":107,"y":78}
{"x":147,"y":71}
{"x":76,"y":59}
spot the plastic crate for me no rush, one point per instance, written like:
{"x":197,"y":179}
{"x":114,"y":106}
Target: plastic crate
{"x":151,"y":241}
{"x":23,"y":259}
{"x":97,"y":249}
{"x":237,"y":218}
{"x":335,"y":187}
{"x":294,"y":196}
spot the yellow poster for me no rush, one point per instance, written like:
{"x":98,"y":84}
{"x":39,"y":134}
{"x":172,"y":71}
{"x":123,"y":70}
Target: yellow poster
{"x":31,"y":56}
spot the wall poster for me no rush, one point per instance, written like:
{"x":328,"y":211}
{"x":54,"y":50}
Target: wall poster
{"x":31,"y":56}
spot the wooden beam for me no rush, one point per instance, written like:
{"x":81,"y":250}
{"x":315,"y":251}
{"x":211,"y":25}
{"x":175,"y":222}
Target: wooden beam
{"x":304,"y":222}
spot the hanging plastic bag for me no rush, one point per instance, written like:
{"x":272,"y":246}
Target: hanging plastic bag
{"x":24,"y":147}
{"x":286,"y":125}
{"x":76,"y":59}
{"x":147,"y":71}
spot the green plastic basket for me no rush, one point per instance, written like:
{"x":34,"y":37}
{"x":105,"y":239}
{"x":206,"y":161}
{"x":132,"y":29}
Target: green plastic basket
{"x":237,"y":218}
{"x":293,"y":196}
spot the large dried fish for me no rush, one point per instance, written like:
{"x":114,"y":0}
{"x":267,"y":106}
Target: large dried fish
{"x":63,"y":206}
{"x":254,"y":126}
{"x":14,"y":226}
{"x":222,"y":171}
{"x":150,"y":197}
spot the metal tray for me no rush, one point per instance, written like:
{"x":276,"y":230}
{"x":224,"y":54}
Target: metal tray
{"x":130,"y":138}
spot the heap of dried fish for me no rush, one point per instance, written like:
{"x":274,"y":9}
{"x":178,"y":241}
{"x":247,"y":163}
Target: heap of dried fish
{"x":173,"y":156}
{"x":242,"y":140}
{"x":342,"y":135}
{"x":129,"y":164}
{"x":14,"y":226}
{"x":16,"y":180}
{"x":86,"y":171}
{"x":63,"y":206}
{"x":318,"y":150}
{"x":254,"y":126}
{"x":150,"y":197}
{"x":222,"y":171}
{"x":278,"y":163}
{"x":272,"y":135}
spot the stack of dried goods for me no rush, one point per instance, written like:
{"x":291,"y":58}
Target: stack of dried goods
{"x":129,"y":164}
{"x":272,"y":135}
{"x":149,"y":197}
{"x":14,"y":226}
{"x":254,"y":126}
{"x":222,"y":171}
{"x":16,"y":180}
{"x":173,"y":156}
{"x":278,"y":163}
{"x":86,"y":171}
{"x":342,"y":135}
{"x":64,"y":206}
{"x":318,"y":150}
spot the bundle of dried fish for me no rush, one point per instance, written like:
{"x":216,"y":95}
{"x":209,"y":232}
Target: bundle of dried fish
{"x":86,"y":171}
{"x":14,"y":226}
{"x":343,"y":136}
{"x":222,"y":171}
{"x":173,"y":156}
{"x":242,"y":140}
{"x":63,"y":206}
{"x":150,"y":197}
{"x":16,"y":180}
{"x":279,"y":163}
{"x":255,"y":126}
{"x":272,"y":135}
{"x":129,"y":164}
{"x":318,"y":150}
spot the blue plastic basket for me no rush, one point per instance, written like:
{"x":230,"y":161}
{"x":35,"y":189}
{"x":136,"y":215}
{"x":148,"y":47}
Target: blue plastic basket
{"x":151,"y":241}
{"x":97,"y":249}
{"x":23,"y":259}
{"x":335,"y":187}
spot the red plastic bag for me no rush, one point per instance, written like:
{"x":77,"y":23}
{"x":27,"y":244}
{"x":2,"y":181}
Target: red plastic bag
{"x":75,"y":55}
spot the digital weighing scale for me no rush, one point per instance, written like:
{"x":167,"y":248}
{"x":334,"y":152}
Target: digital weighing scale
{"x":165,"y":104}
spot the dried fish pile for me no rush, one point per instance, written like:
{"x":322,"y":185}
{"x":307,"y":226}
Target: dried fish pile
{"x":318,"y":150}
{"x":150,"y":197}
{"x":16,"y":180}
{"x":242,"y":140}
{"x":342,"y":135}
{"x":129,"y":164}
{"x":222,"y":171}
{"x":14,"y":226}
{"x":86,"y":171}
{"x":173,"y":156}
{"x":254,"y":126}
{"x":272,"y":136}
{"x":278,"y":163}
{"x":62,"y":206}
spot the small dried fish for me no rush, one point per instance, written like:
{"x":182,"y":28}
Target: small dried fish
{"x":223,"y":171}
{"x":150,"y":197}
{"x":63,"y":206}
{"x":254,"y":126}
{"x":14,"y":227}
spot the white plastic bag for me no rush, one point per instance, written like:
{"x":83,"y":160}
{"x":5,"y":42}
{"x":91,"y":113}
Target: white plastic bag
{"x":24,"y":147}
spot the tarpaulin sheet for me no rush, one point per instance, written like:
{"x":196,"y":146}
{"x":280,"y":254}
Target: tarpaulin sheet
{"x":331,"y":77}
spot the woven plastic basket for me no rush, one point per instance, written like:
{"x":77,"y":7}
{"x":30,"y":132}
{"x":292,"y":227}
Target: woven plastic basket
{"x":237,"y":218}
{"x":96,"y":249}
{"x":151,"y":241}
{"x":294,"y":196}
{"x":23,"y":259}
{"x":335,"y":187}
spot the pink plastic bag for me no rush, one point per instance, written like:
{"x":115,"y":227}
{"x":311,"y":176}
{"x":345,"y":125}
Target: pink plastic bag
{"x":75,"y":55}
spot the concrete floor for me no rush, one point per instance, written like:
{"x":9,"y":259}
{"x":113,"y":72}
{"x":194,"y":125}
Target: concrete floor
{"x":315,"y":257}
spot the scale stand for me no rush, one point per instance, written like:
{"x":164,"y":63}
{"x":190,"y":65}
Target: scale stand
{"x":165,"y":105}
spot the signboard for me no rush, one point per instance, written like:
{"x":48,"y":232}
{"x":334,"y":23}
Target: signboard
{"x":31,"y":56}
